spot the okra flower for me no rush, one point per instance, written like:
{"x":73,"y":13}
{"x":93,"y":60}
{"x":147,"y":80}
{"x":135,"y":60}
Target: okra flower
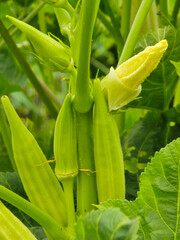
{"x":123,"y":84}
{"x":54,"y":54}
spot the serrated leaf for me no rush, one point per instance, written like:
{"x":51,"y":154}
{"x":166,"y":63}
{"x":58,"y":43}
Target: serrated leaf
{"x":106,"y":224}
{"x":158,"y":201}
{"x":158,"y":88}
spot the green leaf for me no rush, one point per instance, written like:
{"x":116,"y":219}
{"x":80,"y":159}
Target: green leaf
{"x":143,"y":138}
{"x":10,"y":70}
{"x":38,"y":233}
{"x":177,"y":66}
{"x":6,"y":87}
{"x":158,"y":201}
{"x":158,"y":88}
{"x":106,"y":224}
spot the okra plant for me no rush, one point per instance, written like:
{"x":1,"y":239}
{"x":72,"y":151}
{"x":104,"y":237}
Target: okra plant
{"x":100,"y":159}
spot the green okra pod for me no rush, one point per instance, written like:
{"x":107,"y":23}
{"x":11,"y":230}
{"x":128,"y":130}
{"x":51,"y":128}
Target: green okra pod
{"x":11,"y":227}
{"x":65,"y":142}
{"x":65,"y":151}
{"x":108,"y":155}
{"x":39,"y":181}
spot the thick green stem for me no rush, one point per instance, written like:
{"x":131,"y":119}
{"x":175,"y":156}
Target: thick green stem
{"x":135,"y":30}
{"x":69,"y":198}
{"x":48,"y":223}
{"x":82,"y":99}
{"x":26,"y":19}
{"x":86,"y":181}
{"x":125,"y":18}
{"x":38,"y":85}
{"x":6,"y":135}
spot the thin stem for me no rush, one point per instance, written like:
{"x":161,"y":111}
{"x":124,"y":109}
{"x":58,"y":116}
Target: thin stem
{"x":125,"y":18}
{"x":164,"y":7}
{"x":163,"y":10}
{"x":38,"y":85}
{"x":82,"y":99}
{"x":175,"y":12}
{"x":135,"y":30}
{"x":99,"y":65}
{"x":6,"y":135}
{"x":50,"y":225}
{"x":119,"y":41}
{"x":69,"y":198}
{"x":86,"y":180}
{"x":47,"y":73}
{"x":115,"y":24}
{"x":26,"y":19}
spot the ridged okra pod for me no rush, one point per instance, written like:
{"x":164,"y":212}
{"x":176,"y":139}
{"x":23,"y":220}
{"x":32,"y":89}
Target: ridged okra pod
{"x":39,"y":181}
{"x":108,"y":155}
{"x":65,"y":151}
{"x":11,"y":227}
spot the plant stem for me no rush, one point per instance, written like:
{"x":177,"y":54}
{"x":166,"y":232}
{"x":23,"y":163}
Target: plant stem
{"x":47,"y":73}
{"x":38,"y":85}
{"x":50,"y":225}
{"x":163,"y":10}
{"x":86,"y":180}
{"x":175,"y":12}
{"x":99,"y":65}
{"x":118,"y":39}
{"x":26,"y":19}
{"x":6,"y":135}
{"x":82,"y":99}
{"x":135,"y":30}
{"x":116,"y":26}
{"x":164,"y":7}
{"x":125,"y":18}
{"x":69,"y":198}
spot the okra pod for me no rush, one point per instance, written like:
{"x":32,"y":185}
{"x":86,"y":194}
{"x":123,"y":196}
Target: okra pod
{"x":39,"y":181}
{"x":65,"y":142}
{"x":65,"y":151}
{"x":11,"y":227}
{"x":108,"y":155}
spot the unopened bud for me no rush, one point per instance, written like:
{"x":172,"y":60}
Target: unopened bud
{"x":54,"y":54}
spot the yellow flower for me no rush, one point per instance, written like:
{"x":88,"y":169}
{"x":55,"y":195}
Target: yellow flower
{"x":123,"y":84}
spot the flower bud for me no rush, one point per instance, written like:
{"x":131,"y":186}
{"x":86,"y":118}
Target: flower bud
{"x":123,"y":84}
{"x":54,"y":54}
